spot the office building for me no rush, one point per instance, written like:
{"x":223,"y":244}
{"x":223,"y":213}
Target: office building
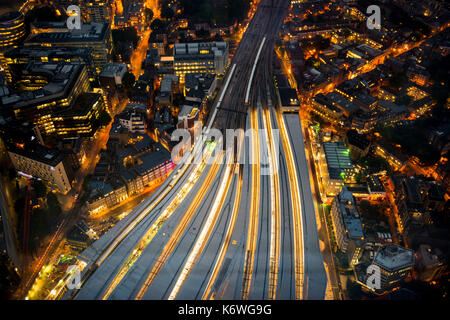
{"x":347,"y":225}
{"x":44,"y":90}
{"x":13,"y":132}
{"x":21,"y":56}
{"x":98,"y":10}
{"x":187,"y":117}
{"x":395,"y":263}
{"x":12,"y":29}
{"x":12,"y":32}
{"x":134,"y":117}
{"x":396,"y":159}
{"x":335,"y":167}
{"x":430,"y":263}
{"x":357,"y":144}
{"x":95,"y":35}
{"x":324,"y":109}
{"x":199,"y":87}
{"x":41,"y":162}
{"x":128,"y":166}
{"x":80,"y":236}
{"x":81,"y":118}
{"x":55,"y":97}
{"x":205,"y":57}
{"x":111,"y":76}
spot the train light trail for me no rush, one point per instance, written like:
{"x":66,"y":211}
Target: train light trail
{"x":275,"y":207}
{"x":147,"y":238}
{"x":255,"y":63}
{"x":254,"y":207}
{"x":229,"y":233}
{"x":181,"y":227}
{"x":296,"y":206}
{"x":206,"y":231}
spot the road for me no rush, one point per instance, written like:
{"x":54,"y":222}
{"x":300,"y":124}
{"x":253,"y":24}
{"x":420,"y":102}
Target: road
{"x":6,"y":226}
{"x":220,"y":228}
{"x":139,"y":54}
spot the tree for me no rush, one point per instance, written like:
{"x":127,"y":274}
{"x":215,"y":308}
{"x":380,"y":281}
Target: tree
{"x":167,"y":12}
{"x":364,"y":206}
{"x":125,"y":35}
{"x":371,"y":211}
{"x":19,"y":206}
{"x":39,"y":188}
{"x":321,"y":43}
{"x":45,"y":13}
{"x":403,"y":100}
{"x":12,"y":173}
{"x":103,"y":118}
{"x":419,"y":146}
{"x":237,"y":9}
{"x":397,"y":80}
{"x":41,"y":224}
{"x":54,"y":207}
{"x":128,"y":80}
{"x":341,"y":260}
{"x":148,"y":15}
{"x":9,"y":279}
{"x":156,"y":24}
{"x":360,"y":177}
{"x":354,"y":290}
{"x":346,"y":32}
{"x":224,"y":12}
{"x":217,"y":37}
{"x":86,"y":182}
{"x":202,"y":33}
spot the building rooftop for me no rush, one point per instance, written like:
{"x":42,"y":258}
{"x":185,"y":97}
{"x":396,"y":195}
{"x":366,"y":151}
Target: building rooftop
{"x":61,"y":78}
{"x":374,"y":184}
{"x":393,"y":150}
{"x":187,"y":111}
{"x":82,"y":105}
{"x":357,"y":140}
{"x":133,"y":109}
{"x":324,"y":101}
{"x":288,"y":97}
{"x":281,"y":81}
{"x":57,"y":52}
{"x":341,"y":102}
{"x":40,"y":153}
{"x":338,"y":158}
{"x":76,"y":234}
{"x":89,"y":32}
{"x":167,"y":82}
{"x":200,"y":83}
{"x":112,"y":70}
{"x":350,"y":215}
{"x":430,"y":256}
{"x":392,"y":107}
{"x":7,"y":18}
{"x":152,"y":159}
{"x":393,"y":257}
{"x":206,"y":49}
